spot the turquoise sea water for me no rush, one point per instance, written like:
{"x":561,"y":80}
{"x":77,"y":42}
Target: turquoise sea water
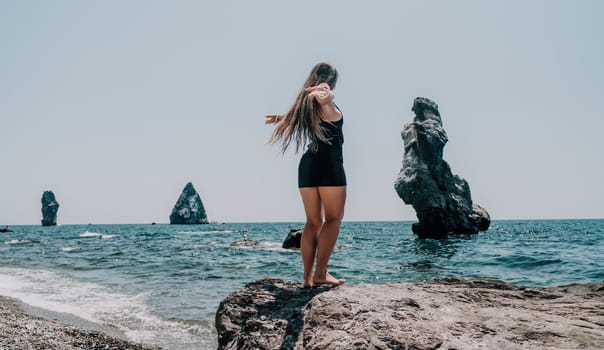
{"x":162,"y":284}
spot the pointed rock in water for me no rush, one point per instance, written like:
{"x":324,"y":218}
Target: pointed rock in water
{"x":442,"y":201}
{"x":50,"y":207}
{"x":189,"y":208}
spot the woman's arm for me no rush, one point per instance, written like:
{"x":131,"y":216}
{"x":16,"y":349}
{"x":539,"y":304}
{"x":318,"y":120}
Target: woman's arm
{"x":321,"y":93}
{"x":324,"y":96}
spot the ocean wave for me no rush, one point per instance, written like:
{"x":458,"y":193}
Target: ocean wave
{"x":96,"y":234}
{"x":268,"y":246}
{"x":90,"y":234}
{"x":204,"y":232}
{"x":68,"y":249}
{"x":132,"y":314}
{"x":526,"y":262}
{"x":278,"y":247}
{"x":22,"y":241}
{"x":275,"y":247}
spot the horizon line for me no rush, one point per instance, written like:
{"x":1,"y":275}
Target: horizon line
{"x":286,"y":222}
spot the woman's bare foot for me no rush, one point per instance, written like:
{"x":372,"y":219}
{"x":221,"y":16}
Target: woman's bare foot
{"x":329,"y":279}
{"x":308,"y":283}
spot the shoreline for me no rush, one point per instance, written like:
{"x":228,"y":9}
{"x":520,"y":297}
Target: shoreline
{"x":28,"y":327}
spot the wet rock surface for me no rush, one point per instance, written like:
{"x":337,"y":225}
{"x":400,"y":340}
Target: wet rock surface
{"x":443,"y":314}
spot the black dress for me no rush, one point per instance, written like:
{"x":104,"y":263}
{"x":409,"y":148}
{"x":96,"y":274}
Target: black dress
{"x":325,"y":165}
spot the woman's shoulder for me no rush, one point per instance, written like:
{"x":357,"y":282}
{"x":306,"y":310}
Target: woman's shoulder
{"x":339,"y":116}
{"x":334,"y":122}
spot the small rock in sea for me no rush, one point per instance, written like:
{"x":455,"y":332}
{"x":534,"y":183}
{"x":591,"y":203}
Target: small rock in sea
{"x":442,"y":201}
{"x":245,"y":243}
{"x":189,"y":208}
{"x":292,"y":241}
{"x":5,"y":230}
{"x":50,"y":207}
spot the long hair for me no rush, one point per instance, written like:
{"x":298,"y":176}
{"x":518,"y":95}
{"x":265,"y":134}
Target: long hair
{"x":302,"y":122}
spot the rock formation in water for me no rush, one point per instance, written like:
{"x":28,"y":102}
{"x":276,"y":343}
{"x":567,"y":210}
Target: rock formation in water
{"x":442,"y":201}
{"x":50,"y":207}
{"x":292,"y":241}
{"x":189,"y":208}
{"x":441,"y":314}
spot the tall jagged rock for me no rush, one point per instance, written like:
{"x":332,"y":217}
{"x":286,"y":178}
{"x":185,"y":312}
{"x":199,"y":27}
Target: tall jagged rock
{"x":442,"y":201}
{"x":189,"y":208}
{"x":50,"y":207}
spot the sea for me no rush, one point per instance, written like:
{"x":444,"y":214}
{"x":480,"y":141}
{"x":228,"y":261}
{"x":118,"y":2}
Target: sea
{"x":162,"y":284}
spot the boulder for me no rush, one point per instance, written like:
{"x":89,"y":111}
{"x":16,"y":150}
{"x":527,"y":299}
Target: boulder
{"x":189,"y":208}
{"x":441,"y":314}
{"x":50,"y":207}
{"x":292,"y":241}
{"x":442,"y":201}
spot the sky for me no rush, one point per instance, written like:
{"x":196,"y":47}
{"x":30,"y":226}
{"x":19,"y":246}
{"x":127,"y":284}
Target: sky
{"x":116,"y":105}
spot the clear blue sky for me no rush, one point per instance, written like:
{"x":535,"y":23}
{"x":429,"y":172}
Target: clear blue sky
{"x":115,"y":105}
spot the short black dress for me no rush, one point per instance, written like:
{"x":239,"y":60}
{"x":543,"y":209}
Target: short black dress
{"x":325,"y":165}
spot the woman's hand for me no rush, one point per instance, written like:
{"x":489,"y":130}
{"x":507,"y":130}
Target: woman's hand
{"x":272,"y":119}
{"x":322,"y":93}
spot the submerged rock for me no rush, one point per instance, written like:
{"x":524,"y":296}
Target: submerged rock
{"x":292,"y":241}
{"x":189,"y":208}
{"x":444,"y":314}
{"x":442,"y":201}
{"x":50,"y":207}
{"x":246,"y":243}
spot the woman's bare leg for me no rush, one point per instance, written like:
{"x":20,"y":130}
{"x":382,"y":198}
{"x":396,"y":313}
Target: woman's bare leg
{"x":333,"y":200}
{"x":310,"y":234}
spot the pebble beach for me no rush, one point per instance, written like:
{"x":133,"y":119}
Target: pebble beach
{"x":22,"y":327}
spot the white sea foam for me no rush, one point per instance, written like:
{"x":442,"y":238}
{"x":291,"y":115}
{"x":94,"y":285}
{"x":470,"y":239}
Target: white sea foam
{"x":68,"y":249}
{"x":269,"y":246}
{"x":96,"y":234}
{"x":275,"y":247}
{"x":18,"y":241}
{"x":90,"y":234}
{"x":96,"y":303}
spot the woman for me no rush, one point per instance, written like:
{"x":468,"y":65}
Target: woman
{"x":315,"y":121}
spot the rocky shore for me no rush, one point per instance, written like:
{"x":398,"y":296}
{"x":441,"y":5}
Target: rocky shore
{"x":21,"y":330}
{"x":440,"y":314}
